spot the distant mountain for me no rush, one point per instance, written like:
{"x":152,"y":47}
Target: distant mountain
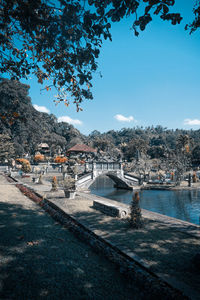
{"x":26,"y":126}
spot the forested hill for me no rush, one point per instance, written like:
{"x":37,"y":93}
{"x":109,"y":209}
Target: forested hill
{"x":26,"y":126}
{"x":155,"y":142}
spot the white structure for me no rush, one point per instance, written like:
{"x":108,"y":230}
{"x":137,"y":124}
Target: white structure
{"x":113,"y":170}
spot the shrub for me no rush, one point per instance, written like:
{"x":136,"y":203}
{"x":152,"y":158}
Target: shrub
{"x":194,"y":177}
{"x":54,"y":184}
{"x":26,"y":167}
{"x":69,"y":183}
{"x":60,"y":159}
{"x":75,"y":170}
{"x":72,"y":162}
{"x":22,"y":160}
{"x":39,"y":157}
{"x":135,"y":216}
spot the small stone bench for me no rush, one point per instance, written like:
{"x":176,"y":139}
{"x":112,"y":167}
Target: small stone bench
{"x":111,"y":209}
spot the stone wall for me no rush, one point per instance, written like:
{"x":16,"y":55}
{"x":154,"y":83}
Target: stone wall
{"x":111,"y":209}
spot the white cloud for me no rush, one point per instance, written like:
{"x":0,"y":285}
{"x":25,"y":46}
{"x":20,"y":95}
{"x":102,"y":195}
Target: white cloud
{"x":192,"y":122}
{"x":69,"y":120}
{"x":122,"y":118}
{"x":41,"y":108}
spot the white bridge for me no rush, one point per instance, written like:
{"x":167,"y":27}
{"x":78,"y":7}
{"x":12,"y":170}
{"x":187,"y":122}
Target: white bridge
{"x":113,"y":170}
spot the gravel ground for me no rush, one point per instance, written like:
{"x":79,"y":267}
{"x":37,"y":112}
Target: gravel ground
{"x":40,"y":259}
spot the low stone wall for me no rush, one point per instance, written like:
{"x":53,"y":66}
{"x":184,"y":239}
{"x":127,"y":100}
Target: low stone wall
{"x":111,"y":209}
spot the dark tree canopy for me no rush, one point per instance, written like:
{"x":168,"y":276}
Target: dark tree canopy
{"x":59,"y":41}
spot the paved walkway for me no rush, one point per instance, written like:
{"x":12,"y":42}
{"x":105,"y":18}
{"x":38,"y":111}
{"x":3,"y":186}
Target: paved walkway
{"x":39,"y":259}
{"x":164,"y":245}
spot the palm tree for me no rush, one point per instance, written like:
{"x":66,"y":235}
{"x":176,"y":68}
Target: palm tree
{"x":183,"y":155}
{"x":184,"y":142}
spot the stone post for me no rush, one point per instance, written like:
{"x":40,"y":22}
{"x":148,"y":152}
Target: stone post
{"x":86,"y":167}
{"x":94,"y":170}
{"x":121,"y":169}
{"x":64,"y":172}
{"x":190,"y":180}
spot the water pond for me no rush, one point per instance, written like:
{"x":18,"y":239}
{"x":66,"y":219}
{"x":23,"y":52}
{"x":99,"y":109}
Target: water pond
{"x":184,"y":205}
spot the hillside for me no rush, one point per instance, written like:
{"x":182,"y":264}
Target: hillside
{"x":26,"y":126}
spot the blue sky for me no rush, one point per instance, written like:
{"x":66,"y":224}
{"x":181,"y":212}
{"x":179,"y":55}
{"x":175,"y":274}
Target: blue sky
{"x":150,"y":80}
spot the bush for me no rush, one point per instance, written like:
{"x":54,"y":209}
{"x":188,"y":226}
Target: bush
{"x":26,"y":167}
{"x":136,"y":216}
{"x":54,"y":184}
{"x":39,"y":157}
{"x":72,"y":162}
{"x":194,"y":177}
{"x":69,"y":183}
{"x":60,"y":159}
{"x":22,"y":160}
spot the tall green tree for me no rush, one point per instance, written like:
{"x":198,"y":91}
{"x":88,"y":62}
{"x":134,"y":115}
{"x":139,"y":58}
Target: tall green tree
{"x":196,"y":155}
{"x":182,"y":160}
{"x":7,"y":150}
{"x":101,"y":143}
{"x":60,"y":41}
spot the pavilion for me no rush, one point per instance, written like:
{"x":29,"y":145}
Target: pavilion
{"x":80,"y":149}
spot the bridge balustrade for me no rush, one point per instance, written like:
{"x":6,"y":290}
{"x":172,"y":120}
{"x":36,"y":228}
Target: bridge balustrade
{"x":116,"y":166}
{"x":90,"y":166}
{"x":104,"y":166}
{"x":98,"y":166}
{"x":85,"y":178}
{"x":111,"y":169}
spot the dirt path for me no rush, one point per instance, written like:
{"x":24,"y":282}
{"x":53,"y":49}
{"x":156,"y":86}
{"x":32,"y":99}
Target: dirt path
{"x":39,"y":259}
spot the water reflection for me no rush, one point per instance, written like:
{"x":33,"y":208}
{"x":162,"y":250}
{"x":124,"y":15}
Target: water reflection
{"x":184,"y":205}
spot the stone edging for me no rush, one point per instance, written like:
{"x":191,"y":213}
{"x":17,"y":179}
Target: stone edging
{"x":175,"y":224}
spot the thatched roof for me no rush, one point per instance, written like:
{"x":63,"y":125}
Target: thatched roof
{"x":81,"y":148}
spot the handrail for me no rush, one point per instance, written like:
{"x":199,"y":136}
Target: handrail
{"x":131,"y":176}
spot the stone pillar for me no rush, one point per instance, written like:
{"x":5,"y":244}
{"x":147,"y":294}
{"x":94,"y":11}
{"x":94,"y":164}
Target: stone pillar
{"x":86,"y":167}
{"x":190,"y":180}
{"x":121,"y":169}
{"x":94,"y":170}
{"x":64,"y":171}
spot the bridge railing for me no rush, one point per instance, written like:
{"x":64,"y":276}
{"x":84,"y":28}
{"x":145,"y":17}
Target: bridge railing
{"x":131,"y":177}
{"x":104,"y":166}
{"x":83,"y":179}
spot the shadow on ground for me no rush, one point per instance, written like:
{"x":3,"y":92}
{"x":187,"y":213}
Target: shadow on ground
{"x":167,"y":250}
{"x":40,"y":259}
